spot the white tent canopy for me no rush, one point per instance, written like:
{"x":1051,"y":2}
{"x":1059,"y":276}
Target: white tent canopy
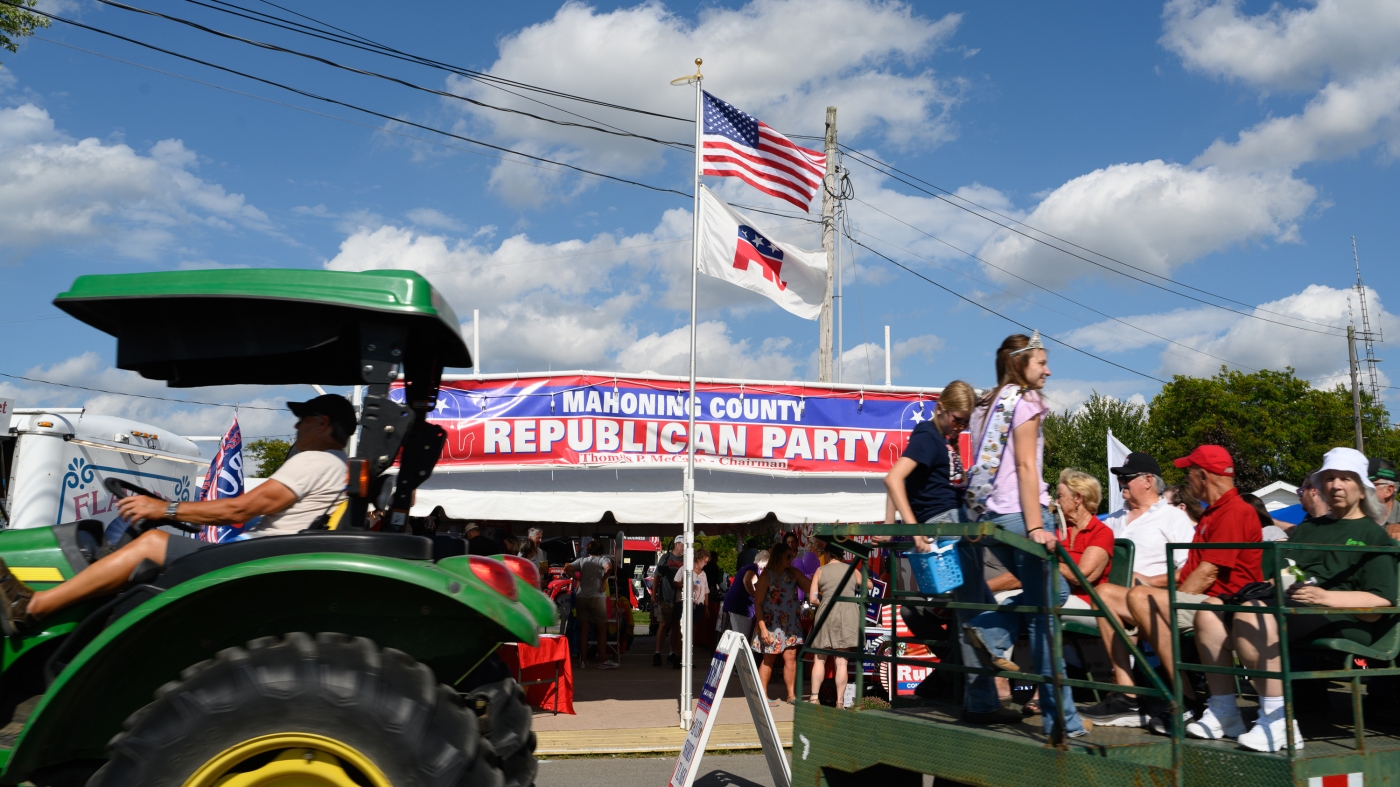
{"x":648,"y":495}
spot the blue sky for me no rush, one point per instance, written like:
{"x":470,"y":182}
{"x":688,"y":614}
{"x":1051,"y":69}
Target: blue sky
{"x":1233,"y":147}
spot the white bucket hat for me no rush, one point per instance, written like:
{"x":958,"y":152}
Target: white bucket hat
{"x":1347,"y":460}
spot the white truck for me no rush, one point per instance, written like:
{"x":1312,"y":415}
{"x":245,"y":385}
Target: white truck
{"x":53,"y":463}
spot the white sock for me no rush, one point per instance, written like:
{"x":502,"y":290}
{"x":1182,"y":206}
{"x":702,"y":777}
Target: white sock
{"x":1223,"y":705}
{"x":1271,"y":706}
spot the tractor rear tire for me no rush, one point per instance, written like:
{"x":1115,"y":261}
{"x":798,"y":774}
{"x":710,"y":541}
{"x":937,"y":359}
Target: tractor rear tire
{"x":506,"y":723}
{"x":339,"y":705}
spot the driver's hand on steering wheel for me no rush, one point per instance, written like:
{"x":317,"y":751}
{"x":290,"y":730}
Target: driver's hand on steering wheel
{"x":140,"y":507}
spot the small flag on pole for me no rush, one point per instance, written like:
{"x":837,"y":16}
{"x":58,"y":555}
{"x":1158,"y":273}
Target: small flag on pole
{"x":738,"y":145}
{"x":224,"y":479}
{"x":734,"y":248}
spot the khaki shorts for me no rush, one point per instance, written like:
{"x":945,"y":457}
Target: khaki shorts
{"x":1186,"y":618}
{"x":665,"y":612}
{"x":593,"y":609}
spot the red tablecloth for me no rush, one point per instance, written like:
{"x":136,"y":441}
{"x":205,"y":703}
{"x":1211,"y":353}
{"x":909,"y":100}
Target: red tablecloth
{"x":528,"y":663}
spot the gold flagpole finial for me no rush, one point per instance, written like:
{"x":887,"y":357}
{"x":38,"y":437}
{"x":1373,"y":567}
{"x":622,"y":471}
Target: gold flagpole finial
{"x":693,"y":78}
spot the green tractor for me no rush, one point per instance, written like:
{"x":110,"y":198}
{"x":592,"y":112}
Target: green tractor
{"x":333,"y":658}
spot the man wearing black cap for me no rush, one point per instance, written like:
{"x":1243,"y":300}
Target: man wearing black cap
{"x":1151,"y":523}
{"x":310,"y":483}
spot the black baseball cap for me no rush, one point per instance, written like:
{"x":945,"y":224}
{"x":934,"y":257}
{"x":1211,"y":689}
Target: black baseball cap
{"x":1136,"y":464}
{"x":1381,"y":470}
{"x":333,"y":406}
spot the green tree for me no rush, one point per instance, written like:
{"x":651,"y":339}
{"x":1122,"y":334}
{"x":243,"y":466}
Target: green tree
{"x":1079,"y":439}
{"x":17,"y":23}
{"x":722,"y":550}
{"x":261,"y":458}
{"x":1275,"y":425}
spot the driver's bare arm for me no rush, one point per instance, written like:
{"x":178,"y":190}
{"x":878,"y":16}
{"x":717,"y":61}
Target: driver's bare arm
{"x":269,"y":497}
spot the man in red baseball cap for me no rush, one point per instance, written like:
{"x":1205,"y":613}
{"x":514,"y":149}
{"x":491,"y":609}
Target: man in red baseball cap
{"x":1206,"y":576}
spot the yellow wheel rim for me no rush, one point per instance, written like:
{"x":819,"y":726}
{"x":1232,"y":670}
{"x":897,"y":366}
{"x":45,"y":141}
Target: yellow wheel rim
{"x":289,"y":759}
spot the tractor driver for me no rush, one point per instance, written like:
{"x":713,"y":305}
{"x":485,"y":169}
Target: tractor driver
{"x":310,"y":483}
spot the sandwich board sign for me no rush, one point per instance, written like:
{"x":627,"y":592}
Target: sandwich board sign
{"x":732,"y":653}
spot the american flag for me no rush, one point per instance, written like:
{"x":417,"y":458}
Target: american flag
{"x":738,"y":145}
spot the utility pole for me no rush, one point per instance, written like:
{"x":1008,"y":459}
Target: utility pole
{"x":1355,"y":388}
{"x":1366,"y":335}
{"x":829,"y":246}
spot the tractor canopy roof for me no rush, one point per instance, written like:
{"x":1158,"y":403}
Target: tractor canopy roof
{"x":270,"y":326}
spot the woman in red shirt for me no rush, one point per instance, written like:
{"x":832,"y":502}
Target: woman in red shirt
{"x":1087,"y":540}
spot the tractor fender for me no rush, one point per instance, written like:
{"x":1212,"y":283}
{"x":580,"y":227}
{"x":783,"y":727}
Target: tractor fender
{"x":442,"y":615}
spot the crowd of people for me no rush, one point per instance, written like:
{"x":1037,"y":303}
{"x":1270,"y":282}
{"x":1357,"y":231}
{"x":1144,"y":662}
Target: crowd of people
{"x":1349,"y":500}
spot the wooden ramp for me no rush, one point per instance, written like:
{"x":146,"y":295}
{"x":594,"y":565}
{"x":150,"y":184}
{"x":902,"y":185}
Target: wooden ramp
{"x":649,"y":739}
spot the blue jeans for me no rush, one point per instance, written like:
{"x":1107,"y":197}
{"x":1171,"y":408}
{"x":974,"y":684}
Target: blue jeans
{"x":999,"y":630}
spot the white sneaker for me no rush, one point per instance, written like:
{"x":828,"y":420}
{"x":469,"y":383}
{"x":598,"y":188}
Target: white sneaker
{"x":1213,"y":728}
{"x":609,"y":664}
{"x":1271,"y":734}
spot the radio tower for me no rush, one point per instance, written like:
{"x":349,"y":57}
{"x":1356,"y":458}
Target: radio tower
{"x":1366,"y":335}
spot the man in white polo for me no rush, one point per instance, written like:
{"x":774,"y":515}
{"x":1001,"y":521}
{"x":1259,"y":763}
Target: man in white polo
{"x":1151,"y":523}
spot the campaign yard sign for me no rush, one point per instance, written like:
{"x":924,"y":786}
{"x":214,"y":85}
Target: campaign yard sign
{"x":592,"y":420}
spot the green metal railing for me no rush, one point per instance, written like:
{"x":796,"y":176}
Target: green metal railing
{"x":1282,"y":612}
{"x":840,"y":535}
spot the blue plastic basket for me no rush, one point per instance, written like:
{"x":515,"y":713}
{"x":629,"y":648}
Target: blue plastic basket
{"x":939,"y":571}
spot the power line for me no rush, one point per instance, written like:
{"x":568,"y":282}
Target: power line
{"x":138,"y":396}
{"x":992,"y":311}
{"x":31,"y":319}
{"x":307,"y":110}
{"x":1041,"y":287}
{"x":890,"y":173}
{"x":386,"y":77}
{"x":387,"y":51}
{"x":348,"y":105}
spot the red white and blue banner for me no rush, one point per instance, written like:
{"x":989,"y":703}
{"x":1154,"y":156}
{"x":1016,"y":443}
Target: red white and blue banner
{"x":586,"y":419}
{"x":224,"y":479}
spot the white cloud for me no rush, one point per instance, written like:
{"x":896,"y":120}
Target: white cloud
{"x":1250,"y":343}
{"x":572,"y":304}
{"x":59,"y":192}
{"x":1341,"y":120}
{"x":628,"y":55}
{"x":434,"y":219}
{"x":472,"y":275}
{"x":1063,"y":394}
{"x":865,"y":363}
{"x":1284,"y":48}
{"x":89,"y":370}
{"x":1263,"y":345}
{"x":717,"y":354}
{"x":1158,"y":215}
{"x":1154,"y":215}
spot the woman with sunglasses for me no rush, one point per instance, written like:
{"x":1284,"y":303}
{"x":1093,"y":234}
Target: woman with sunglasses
{"x":923,"y":484}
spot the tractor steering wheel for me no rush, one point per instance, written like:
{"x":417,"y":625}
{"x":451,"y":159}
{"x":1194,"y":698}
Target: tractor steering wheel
{"x":124,"y":489}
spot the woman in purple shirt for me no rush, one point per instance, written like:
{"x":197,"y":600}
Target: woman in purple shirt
{"x":738,"y":600}
{"x":1006,"y":486}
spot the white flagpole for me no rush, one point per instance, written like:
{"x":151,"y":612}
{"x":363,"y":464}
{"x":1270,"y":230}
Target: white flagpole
{"x":688,"y":535}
